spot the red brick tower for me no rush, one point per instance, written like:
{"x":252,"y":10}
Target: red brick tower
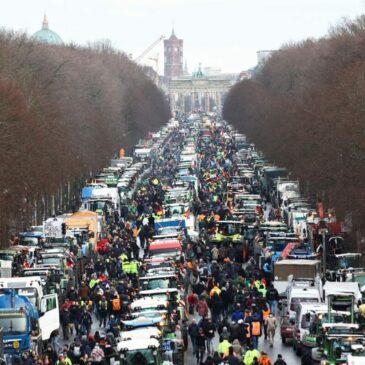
{"x":173,"y":56}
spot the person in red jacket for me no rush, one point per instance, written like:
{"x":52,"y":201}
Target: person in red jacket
{"x":193,"y":301}
{"x":203,"y":309}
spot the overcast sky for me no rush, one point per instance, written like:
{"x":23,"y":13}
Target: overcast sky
{"x":218,"y":33}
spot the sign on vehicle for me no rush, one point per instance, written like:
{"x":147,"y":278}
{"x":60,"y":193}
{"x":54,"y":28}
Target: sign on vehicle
{"x":52,"y":228}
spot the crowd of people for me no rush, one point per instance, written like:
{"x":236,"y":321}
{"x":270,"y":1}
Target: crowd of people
{"x":232,"y":307}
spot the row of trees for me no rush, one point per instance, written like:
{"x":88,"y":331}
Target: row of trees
{"x":305,"y":109}
{"x":64,"y":111}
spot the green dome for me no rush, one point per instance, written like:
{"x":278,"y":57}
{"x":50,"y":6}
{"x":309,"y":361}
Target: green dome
{"x":45,"y":35}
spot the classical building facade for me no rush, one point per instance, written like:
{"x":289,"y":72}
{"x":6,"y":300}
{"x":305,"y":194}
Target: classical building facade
{"x":199,"y":91}
{"x":173,"y":51}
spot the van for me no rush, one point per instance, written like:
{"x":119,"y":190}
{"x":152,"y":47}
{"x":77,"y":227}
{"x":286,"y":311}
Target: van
{"x":302,"y":294}
{"x":304,"y":316}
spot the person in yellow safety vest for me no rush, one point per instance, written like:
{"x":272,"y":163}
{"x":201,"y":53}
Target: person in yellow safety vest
{"x":133,"y":268}
{"x":126,"y":267}
{"x":257,"y":283}
{"x":215,"y":290}
{"x":262,"y":289}
{"x":93,"y":281}
{"x":155,"y":181}
{"x":123,"y":257}
{"x":63,"y":359}
{"x":265,"y":314}
{"x":250,"y":355}
{"x":223,"y":347}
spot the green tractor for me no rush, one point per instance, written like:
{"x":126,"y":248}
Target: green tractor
{"x":339,"y":341}
{"x":231,"y":232}
{"x":146,"y":351}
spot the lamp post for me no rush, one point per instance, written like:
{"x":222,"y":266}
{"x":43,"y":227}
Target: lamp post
{"x":323,"y":232}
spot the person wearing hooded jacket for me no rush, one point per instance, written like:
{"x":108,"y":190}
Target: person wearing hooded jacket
{"x":237,"y":314}
{"x":237,"y":349}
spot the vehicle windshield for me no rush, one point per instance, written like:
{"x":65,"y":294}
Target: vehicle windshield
{"x":360,"y":279}
{"x":95,"y":205}
{"x":31,"y":293}
{"x":168,"y":231}
{"x":229,"y":228}
{"x":159,"y":284}
{"x":29,"y":241}
{"x":41,"y":273}
{"x":13,"y":324}
{"x":52,"y":261}
{"x":53,"y":240}
{"x":348,"y":261}
{"x":278,"y":246}
{"x":144,"y":356}
{"x":147,"y":314}
{"x":6,"y":256}
{"x":294,"y":302}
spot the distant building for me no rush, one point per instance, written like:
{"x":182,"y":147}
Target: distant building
{"x":263,"y":56}
{"x":45,"y":35}
{"x":173,"y":49}
{"x":199,"y":91}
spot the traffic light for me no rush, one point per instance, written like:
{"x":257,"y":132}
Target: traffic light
{"x":63,"y":227}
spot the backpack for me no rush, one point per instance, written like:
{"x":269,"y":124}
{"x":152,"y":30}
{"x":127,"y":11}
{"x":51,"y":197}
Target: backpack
{"x":116,"y":304}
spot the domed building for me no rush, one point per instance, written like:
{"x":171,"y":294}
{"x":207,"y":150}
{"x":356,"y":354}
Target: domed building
{"x":45,"y":35}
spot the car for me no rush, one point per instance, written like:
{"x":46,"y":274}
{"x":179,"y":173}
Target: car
{"x":287,"y":328}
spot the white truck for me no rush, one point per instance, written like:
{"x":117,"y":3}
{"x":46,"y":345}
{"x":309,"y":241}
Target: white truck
{"x":47,"y":304}
{"x":100,"y":197}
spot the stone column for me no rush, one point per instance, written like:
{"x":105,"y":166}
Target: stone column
{"x":192,"y":97}
{"x":207,"y":102}
{"x":183,"y":102}
{"x":172,"y":101}
{"x":219,"y":102}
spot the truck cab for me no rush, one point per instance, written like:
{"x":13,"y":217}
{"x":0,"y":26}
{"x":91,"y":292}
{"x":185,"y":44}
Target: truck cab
{"x":302,"y":292}
{"x":19,"y":320}
{"x":46,"y":304}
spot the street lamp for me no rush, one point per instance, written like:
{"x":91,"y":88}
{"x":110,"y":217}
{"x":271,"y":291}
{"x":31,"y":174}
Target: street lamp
{"x":323,"y":232}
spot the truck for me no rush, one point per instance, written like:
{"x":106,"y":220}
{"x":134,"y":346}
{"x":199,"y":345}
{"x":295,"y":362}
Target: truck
{"x":340,"y":343}
{"x":142,"y":154}
{"x":20,"y":323}
{"x":101,"y":199}
{"x":299,"y":269}
{"x":84,"y":225}
{"x":46,"y":305}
